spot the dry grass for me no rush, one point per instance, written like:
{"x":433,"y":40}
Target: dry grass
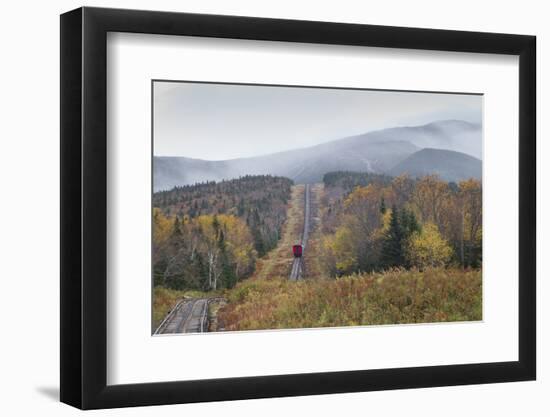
{"x":279,"y":260}
{"x":313,"y":256}
{"x":392,"y":297}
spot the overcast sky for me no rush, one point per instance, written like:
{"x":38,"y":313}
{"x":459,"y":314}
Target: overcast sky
{"x":217,"y":122}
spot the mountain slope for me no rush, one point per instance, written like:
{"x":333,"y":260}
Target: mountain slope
{"x":306,"y":165}
{"x":449,"y":165}
{"x":377,"y":152}
{"x":453,"y":135}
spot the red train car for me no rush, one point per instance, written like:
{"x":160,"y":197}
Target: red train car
{"x":297,"y":250}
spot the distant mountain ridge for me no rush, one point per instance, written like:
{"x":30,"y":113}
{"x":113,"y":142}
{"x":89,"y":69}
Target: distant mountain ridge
{"x":449,"y":165}
{"x":452,"y":135}
{"x":378,"y":151}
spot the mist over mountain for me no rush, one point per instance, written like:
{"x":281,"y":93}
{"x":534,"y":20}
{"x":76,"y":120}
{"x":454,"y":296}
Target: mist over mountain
{"x":452,"y":135}
{"x":380,"y":151}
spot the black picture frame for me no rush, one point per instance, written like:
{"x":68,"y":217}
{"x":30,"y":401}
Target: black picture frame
{"x":84,"y":207}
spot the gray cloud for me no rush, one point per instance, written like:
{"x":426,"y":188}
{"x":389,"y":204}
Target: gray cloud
{"x":218,"y":122}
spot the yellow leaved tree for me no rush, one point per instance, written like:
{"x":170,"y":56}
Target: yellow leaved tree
{"x":427,"y":248}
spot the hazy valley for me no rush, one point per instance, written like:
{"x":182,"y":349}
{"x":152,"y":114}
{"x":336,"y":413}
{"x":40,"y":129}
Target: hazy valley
{"x":449,"y":148}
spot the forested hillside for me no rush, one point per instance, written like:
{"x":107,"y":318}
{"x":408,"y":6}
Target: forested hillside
{"x":338,"y":185}
{"x":391,"y":250}
{"x":372,"y":223}
{"x":382,"y":250}
{"x":207,"y":236}
{"x":348,"y":180}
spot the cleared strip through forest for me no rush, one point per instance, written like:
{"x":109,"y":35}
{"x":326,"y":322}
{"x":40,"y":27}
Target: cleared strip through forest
{"x":296,"y":272}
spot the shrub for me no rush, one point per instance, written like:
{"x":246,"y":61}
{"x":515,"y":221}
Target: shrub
{"x":393,"y":297}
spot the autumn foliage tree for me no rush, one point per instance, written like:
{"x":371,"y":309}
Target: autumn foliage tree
{"x":208,"y":236}
{"x":428,"y":197}
{"x":430,"y":223}
{"x":209,"y":252}
{"x":427,"y":248}
{"x":259,"y":200}
{"x":471,"y":222}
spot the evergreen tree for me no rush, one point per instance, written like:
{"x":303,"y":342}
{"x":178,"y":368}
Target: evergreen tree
{"x":409,"y":223}
{"x":392,"y":246}
{"x":216,"y":225}
{"x":176,"y":229}
{"x":228,"y":280}
{"x":228,"y":276}
{"x":382,"y":206}
{"x":240,"y":207}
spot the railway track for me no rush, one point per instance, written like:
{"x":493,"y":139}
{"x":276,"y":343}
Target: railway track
{"x":188,"y":316}
{"x":296,"y":273}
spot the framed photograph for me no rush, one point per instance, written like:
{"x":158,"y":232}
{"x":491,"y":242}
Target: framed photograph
{"x":256,"y":208}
